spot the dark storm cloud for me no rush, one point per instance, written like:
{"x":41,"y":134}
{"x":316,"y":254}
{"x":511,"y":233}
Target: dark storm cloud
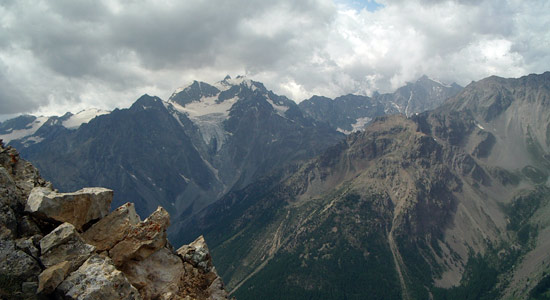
{"x":74,"y":38}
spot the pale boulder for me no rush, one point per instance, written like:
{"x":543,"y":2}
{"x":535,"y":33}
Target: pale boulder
{"x":157,"y":275}
{"x":97,"y":278}
{"x":64,"y":244}
{"x":77,"y":208}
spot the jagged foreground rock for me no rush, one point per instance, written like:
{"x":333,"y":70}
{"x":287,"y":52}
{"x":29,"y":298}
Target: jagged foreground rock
{"x":68,"y":246}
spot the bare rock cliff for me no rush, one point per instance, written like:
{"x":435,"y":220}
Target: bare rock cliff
{"x":68,"y":246}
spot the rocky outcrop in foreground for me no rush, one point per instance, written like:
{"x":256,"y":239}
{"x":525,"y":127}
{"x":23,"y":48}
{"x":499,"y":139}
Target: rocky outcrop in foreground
{"x":68,"y":246}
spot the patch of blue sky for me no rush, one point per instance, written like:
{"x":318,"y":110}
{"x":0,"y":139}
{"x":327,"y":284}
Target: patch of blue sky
{"x":370,"y":5}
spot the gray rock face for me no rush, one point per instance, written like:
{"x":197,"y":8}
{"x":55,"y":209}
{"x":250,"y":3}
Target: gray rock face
{"x":23,"y":174}
{"x":77,"y":208}
{"x":64,"y":244}
{"x":8,"y":201}
{"x":157,"y":275}
{"x":16,"y":268}
{"x":29,"y":245}
{"x":197,"y":254}
{"x":19,"y":267}
{"x":97,"y":278}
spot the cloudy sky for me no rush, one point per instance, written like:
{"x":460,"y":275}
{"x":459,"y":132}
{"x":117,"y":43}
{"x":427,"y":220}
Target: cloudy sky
{"x":67,"y":55}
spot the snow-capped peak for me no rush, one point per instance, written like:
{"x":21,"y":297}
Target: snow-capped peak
{"x":83,"y":116}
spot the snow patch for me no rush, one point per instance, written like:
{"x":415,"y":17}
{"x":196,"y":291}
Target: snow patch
{"x":206,"y":106}
{"x":34,"y":139}
{"x":208,"y":115}
{"x":82,"y":117}
{"x":346,"y":132}
{"x":359,"y":125}
{"x":21,"y":133}
{"x":408,"y":104}
{"x":185,"y":178}
{"x":211,"y":129}
{"x":395,"y":105}
{"x":439,"y":82}
{"x":280,"y":109}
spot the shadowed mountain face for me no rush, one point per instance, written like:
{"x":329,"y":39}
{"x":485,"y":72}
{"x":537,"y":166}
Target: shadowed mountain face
{"x":449,"y":204}
{"x":182,"y":154}
{"x":352,"y":112}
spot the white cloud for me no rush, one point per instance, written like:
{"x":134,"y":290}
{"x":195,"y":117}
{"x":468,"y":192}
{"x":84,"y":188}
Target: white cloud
{"x":67,"y":55}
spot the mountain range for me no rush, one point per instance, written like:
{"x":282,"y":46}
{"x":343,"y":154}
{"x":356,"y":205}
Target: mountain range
{"x":189,"y":151}
{"x":434,"y":191}
{"x":448,"y":204}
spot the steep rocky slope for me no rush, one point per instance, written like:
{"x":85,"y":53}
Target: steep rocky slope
{"x":69,"y":246}
{"x":449,"y":204}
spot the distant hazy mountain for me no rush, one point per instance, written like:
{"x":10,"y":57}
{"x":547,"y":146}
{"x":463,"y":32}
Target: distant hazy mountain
{"x":352,"y":112}
{"x":449,"y":204}
{"x":421,"y":95}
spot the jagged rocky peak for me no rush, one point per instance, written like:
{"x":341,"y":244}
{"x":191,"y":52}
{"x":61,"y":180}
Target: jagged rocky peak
{"x":221,"y":90}
{"x":69,"y":246}
{"x":426,"y":80}
{"x":511,"y":116}
{"x":198,"y":90}
{"x":207,"y":104}
{"x":490,"y":97}
{"x":193,"y":92}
